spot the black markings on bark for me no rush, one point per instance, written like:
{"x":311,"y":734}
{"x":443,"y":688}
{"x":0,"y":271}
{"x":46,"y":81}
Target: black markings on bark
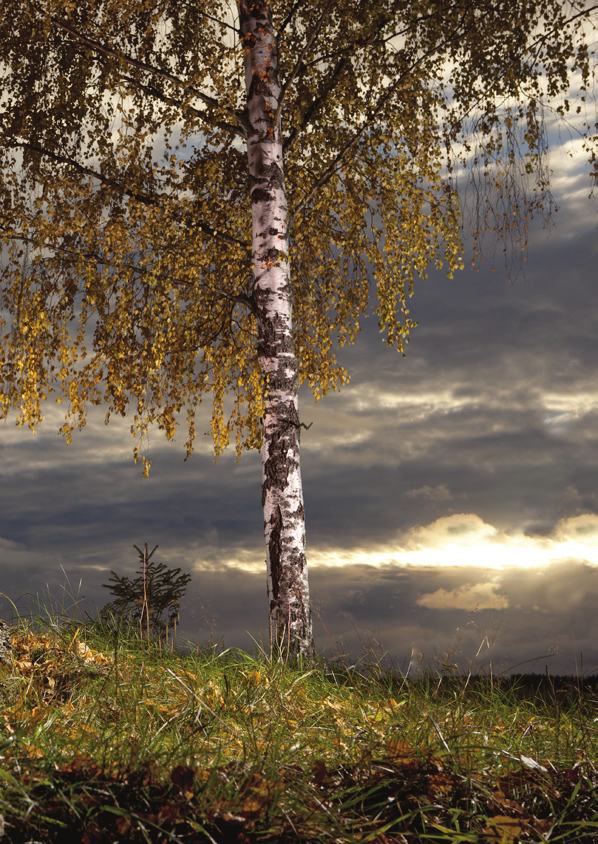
{"x":279,"y":462}
{"x":273,"y":338}
{"x":301,"y":517}
{"x":261,"y":195}
{"x":267,"y":343}
{"x":274,"y":175}
{"x":271,"y":255}
{"x":257,"y":13}
{"x":275,"y":553}
{"x":261,"y":85}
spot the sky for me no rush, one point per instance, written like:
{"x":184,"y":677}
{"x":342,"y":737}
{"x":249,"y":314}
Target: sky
{"x":451,"y":495}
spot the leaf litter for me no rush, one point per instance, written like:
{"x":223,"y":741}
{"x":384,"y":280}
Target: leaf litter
{"x":112,"y":742}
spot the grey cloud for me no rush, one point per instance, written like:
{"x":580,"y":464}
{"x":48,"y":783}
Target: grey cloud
{"x":551,"y":613}
{"x":429,"y":493}
{"x":495,"y":403}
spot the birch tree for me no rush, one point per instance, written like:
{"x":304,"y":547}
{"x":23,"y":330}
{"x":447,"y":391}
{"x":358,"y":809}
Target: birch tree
{"x":205,"y":198}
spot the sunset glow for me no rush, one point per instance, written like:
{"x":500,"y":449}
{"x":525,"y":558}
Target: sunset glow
{"x":458,"y":540}
{"x":465,"y":540}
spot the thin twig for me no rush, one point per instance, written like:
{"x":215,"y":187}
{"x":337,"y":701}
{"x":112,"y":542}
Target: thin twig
{"x":295,"y":72}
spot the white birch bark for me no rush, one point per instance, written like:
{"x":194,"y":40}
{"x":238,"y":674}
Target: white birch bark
{"x":282,"y":496}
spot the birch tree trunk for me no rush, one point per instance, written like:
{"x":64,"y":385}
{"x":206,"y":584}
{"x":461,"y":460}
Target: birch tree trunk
{"x":282,"y":495}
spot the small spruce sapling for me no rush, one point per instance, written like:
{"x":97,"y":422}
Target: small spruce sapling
{"x":151,"y":600}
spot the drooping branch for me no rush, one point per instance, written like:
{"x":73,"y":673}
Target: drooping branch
{"x":289,"y":17}
{"x":326,"y":90}
{"x":545,"y":35}
{"x":344,"y":151}
{"x":308,"y":45}
{"x":145,"y":199}
{"x":236,"y":298}
{"x":85,"y":171}
{"x":213,"y":19}
{"x":314,"y":107}
{"x":153,"y":91}
{"x":585,"y":13}
{"x":211,"y":102}
{"x":350,"y":144}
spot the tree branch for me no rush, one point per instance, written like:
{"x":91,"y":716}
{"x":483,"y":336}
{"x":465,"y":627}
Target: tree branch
{"x":289,"y":17}
{"x":145,"y":199}
{"x":542,"y":38}
{"x":308,"y":44}
{"x":85,"y":171}
{"x":348,"y":146}
{"x":216,"y":20}
{"x":290,"y":141}
{"x":334,"y":166}
{"x":147,"y":68}
{"x":152,"y":91}
{"x":235,"y":298}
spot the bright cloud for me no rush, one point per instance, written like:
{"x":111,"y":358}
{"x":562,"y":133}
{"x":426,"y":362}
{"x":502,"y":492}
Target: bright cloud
{"x":464,"y":539}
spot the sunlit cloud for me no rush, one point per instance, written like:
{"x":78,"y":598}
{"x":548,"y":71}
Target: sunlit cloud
{"x":477,"y":596}
{"x":458,"y":540}
{"x":563,"y":412}
{"x":370,"y":409}
{"x":464,"y":539}
{"x":211,"y":558}
{"x":559,"y":422}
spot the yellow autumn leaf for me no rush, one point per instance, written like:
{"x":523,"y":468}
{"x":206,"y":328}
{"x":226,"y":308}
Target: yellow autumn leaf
{"x":503,"y":829}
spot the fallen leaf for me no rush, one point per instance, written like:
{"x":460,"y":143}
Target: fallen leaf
{"x":503,"y":829}
{"x":183,"y":777}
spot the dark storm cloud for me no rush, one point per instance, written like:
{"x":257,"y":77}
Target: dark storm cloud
{"x":496,"y":400}
{"x":80,"y":509}
{"x":515,"y":618}
{"x":492,"y":414}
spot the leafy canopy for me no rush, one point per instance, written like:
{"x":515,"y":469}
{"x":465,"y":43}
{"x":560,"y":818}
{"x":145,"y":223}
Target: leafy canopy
{"x":125,"y":212}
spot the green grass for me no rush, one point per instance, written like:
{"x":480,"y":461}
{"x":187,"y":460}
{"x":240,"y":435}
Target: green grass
{"x":106,"y":739}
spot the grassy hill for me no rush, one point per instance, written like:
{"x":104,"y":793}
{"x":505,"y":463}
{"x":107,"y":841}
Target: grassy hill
{"x":105,"y":737}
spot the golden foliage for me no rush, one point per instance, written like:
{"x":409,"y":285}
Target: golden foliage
{"x":125,"y":213}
